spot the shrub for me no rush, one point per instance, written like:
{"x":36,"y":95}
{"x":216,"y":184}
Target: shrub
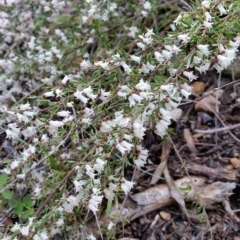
{"x":82,"y":82}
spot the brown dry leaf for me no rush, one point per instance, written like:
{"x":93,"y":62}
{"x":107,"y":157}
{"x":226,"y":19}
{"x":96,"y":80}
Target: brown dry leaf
{"x":189,"y":140}
{"x":165,"y":215}
{"x":198,"y":87}
{"x":235,"y":162}
{"x":207,"y":104}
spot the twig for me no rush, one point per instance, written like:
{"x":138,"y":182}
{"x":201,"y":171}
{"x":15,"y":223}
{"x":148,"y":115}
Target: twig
{"x":218,"y":129}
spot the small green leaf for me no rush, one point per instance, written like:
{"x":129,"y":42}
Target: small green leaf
{"x":3,"y":179}
{"x":7,"y":194}
{"x":27,"y":201}
{"x":18,"y":209}
{"x":27,"y":214}
{"x":13,"y":203}
{"x":109,"y":207}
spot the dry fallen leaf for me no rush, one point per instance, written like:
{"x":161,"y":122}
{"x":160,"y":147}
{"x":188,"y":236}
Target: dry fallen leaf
{"x":235,"y":162}
{"x":198,"y":87}
{"x":165,"y":215}
{"x":207,"y":104}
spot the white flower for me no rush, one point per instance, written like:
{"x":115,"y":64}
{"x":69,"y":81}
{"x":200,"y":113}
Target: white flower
{"x":88,"y":92}
{"x":184,"y":37}
{"x":126,"y":186}
{"x":203,"y":49}
{"x":138,"y":129}
{"x":78,"y":95}
{"x":133,"y":98}
{"x":124,"y":147}
{"x":106,"y":127}
{"x":190,"y":75}
{"x":185,"y":93}
{"x":142,"y":157}
{"x":221,"y":9}
{"x":37,"y":191}
{"x":90,"y":171}
{"x":49,"y":94}
{"x":78,"y":185}
{"x":172,"y":48}
{"x":230,"y":53}
{"x":127,"y":145}
{"x":161,"y":128}
{"x":104,"y":65}
{"x":167,"y":54}
{"x":63,"y":113}
{"x":120,"y":120}
{"x":186,"y":87}
{"x":99,"y":165}
{"x":55,"y":124}
{"x":123,"y":91}
{"x":146,"y":68}
{"x":169,"y":105}
{"x":95,"y":201}
{"x":169,"y":88}
{"x":65,"y":79}
{"x":91,"y":237}
{"x":147,"y":5}
{"x":159,"y":57}
{"x":87,"y":120}
{"x":149,"y":33}
{"x":16,"y":227}
{"x":14,"y":164}
{"x":133,"y":30}
{"x":179,"y":17}
{"x":208,"y":17}
{"x":146,"y":40}
{"x":165,"y":115}
{"x":141,"y":45}
{"x":126,"y":68}
{"x":25,"y":106}
{"x":207,"y":24}
{"x":224,"y":61}
{"x":110,"y":225}
{"x":25,"y":231}
{"x":108,"y":193}
{"x":128,"y":137}
{"x":135,"y":58}
{"x":59,"y":93}
{"x":204,"y":67}
{"x":206,"y":3}
{"x":104,"y":95}
{"x":197,"y":59}
{"x":218,"y":67}
{"x":143,"y":86}
{"x":85,"y":65}
{"x":13,"y":131}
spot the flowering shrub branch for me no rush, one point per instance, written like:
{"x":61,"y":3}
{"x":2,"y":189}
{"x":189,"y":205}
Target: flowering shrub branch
{"x":102,"y":85}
